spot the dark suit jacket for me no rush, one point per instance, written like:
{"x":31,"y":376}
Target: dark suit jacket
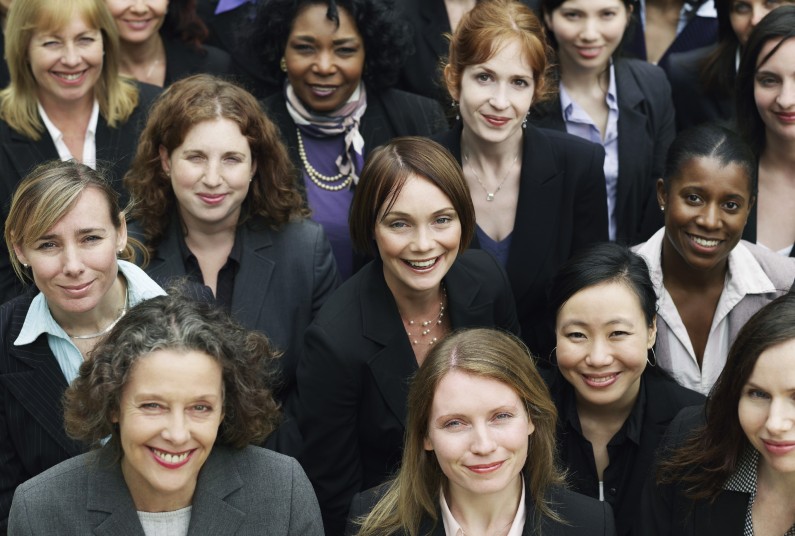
{"x":749,"y":233}
{"x":645,"y":130}
{"x":20,"y":154}
{"x":183,"y":60}
{"x":421,"y":74}
{"x":582,"y":515}
{"x":664,"y":510}
{"x":692,"y":105}
{"x":247,"y":491}
{"x":285,"y":276}
{"x":354,"y":375}
{"x":32,"y":437}
{"x":664,"y":399}
{"x":562,"y":207}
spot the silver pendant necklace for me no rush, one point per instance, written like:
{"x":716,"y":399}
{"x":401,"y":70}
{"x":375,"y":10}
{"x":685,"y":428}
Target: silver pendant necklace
{"x":490,"y":195}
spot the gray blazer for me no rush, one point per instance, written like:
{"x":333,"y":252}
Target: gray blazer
{"x":248,"y":491}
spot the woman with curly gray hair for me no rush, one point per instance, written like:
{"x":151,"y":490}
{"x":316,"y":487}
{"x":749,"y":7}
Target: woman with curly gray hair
{"x":171,"y":399}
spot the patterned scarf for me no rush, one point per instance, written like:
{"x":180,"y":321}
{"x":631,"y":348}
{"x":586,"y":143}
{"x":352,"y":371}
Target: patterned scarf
{"x":344,"y":120}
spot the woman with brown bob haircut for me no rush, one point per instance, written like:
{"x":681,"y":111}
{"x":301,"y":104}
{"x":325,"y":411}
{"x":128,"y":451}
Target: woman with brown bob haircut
{"x":412,"y":208}
{"x":215,"y":200}
{"x":539,"y":195}
{"x":181,"y":391}
{"x":505,"y":415}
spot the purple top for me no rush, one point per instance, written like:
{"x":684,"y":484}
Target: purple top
{"x":330,"y":209}
{"x":498,"y":250}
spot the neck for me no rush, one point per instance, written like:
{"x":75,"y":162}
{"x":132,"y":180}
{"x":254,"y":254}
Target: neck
{"x":61,"y":113}
{"x":615,"y":413}
{"x":778,"y":153}
{"x":485,"y":513}
{"x":782,"y":484}
{"x":100,"y":317}
{"x":418,"y":306}
{"x":676,"y":270}
{"x":502,"y":152}
{"x":580,"y":79}
{"x":145,"y":53}
{"x":205,"y":234}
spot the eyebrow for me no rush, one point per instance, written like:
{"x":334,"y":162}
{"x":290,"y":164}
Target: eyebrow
{"x":86,"y":230}
{"x":406,"y":215}
{"x":341,"y":41}
{"x":610,"y":322}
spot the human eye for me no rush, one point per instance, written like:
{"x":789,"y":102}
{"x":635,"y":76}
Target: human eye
{"x":302,"y":48}
{"x":741,"y":7}
{"x":45,"y":246}
{"x":203,"y":408}
{"x":521,"y":82}
{"x":731,"y":205}
{"x":398,"y":224}
{"x":503,"y":416}
{"x":443,"y":220}
{"x":766,"y":80}
{"x":619,"y":333}
{"x":575,"y":335}
{"x":151,"y":406}
{"x":774,"y":3}
{"x":609,"y":14}
{"x":757,"y":394}
{"x":453,"y":424}
{"x":693,"y":199}
{"x":194,"y":157}
{"x":483,"y":77}
{"x":92,"y":238}
{"x":570,"y":15}
{"x":233,"y":159}
{"x":347,"y":51}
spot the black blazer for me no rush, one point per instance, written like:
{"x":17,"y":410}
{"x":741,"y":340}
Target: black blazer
{"x":184,"y":60}
{"x":32,"y":437}
{"x":664,"y":399}
{"x":645,"y":130}
{"x":582,"y":516}
{"x":20,"y":154}
{"x":749,"y":233}
{"x":692,"y":105}
{"x":665,"y":511}
{"x":562,"y":207}
{"x":353,"y":378}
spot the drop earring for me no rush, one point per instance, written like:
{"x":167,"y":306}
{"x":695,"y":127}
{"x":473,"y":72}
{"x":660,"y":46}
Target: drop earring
{"x":454,"y":106}
{"x":283,"y":64}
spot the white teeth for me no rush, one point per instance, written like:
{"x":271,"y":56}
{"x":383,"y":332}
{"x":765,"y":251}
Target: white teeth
{"x":422,"y":264}
{"x":604,"y":379}
{"x":704,"y":242}
{"x":170,"y":458}
{"x":70,"y":77}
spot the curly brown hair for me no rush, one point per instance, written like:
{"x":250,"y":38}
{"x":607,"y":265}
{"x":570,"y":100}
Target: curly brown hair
{"x":176,"y":322}
{"x":273,"y":195}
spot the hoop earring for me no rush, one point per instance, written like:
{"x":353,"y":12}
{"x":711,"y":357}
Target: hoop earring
{"x":553,"y":357}
{"x":654,"y":363}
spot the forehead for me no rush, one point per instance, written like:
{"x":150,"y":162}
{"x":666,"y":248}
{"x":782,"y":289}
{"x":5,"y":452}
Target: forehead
{"x":90,"y":210}
{"x":462,"y":392}
{"x":592,"y":5}
{"x":781,"y":57}
{"x":311,"y":20}
{"x":417,"y":195}
{"x":219,"y":132}
{"x":775,"y":367}
{"x":604,"y":300}
{"x":710,"y":173}
{"x":175,"y":371}
{"x":59,"y":17}
{"x":507,"y":55}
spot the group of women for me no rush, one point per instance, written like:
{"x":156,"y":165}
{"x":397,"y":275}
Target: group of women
{"x":454,"y":328}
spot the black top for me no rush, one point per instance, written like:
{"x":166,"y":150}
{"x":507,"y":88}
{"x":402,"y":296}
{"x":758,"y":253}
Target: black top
{"x":225,"y":283}
{"x":184,"y":60}
{"x":631,"y":450}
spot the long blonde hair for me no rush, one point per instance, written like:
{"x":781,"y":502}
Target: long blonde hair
{"x":117,"y":96}
{"x":486,"y":353}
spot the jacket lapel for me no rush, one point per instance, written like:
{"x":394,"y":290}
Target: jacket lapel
{"x":724,"y":517}
{"x":254,"y":277}
{"x":211,"y":513}
{"x":108,"y":494}
{"x":25,"y":153}
{"x":167,"y":262}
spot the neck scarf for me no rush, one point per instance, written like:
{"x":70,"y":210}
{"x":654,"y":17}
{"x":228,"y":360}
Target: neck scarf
{"x":344,"y":120}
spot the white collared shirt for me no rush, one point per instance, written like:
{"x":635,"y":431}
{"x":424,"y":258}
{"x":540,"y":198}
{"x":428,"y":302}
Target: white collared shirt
{"x":452,"y":527}
{"x":89,"y":156}
{"x":744,"y":276}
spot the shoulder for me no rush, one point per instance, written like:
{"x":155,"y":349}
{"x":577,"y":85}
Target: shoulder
{"x":780,"y":269}
{"x":666,"y":393}
{"x":342,"y":309}
{"x":581,"y":515}
{"x":398,"y":96}
{"x":259,"y":465}
{"x":477,"y":263}
{"x":12,"y":313}
{"x":688,"y":61}
{"x":294,"y":233}
{"x":562,"y":143}
{"x":639,"y":68}
{"x":147,"y":94}
{"x":59,"y":483}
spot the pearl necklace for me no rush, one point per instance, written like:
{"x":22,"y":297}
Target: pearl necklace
{"x":425,"y":330}
{"x":318,"y":178}
{"x":490,"y":195}
{"x":106,"y":329}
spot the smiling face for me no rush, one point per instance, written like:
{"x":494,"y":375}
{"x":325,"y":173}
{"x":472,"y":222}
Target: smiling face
{"x":210,"y":173}
{"x":478,"y":429}
{"x":74,"y":264}
{"x":706,"y":209}
{"x":774,"y":90}
{"x":324,"y":62}
{"x":169,"y":414}
{"x":602,"y":344}
{"x":494,"y":97}
{"x":767,"y":408}
{"x":744,"y":15}
{"x":588,"y":32}
{"x":418,"y":238}
{"x":66,"y":63}
{"x":138,"y":20}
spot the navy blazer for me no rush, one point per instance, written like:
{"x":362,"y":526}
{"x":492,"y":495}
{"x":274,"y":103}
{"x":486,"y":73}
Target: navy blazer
{"x":20,"y":154}
{"x":32,"y":436}
{"x":581,"y":515}
{"x":562,"y":207}
{"x":285,"y":276}
{"x":664,"y":399}
{"x":246,"y":491}
{"x":353,"y":379}
{"x":645,"y":130}
{"x":665,"y":511}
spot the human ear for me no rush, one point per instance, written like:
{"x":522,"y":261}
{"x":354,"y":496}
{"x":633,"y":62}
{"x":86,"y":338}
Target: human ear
{"x":452,"y":87}
{"x":165,"y":162}
{"x":662,"y":195}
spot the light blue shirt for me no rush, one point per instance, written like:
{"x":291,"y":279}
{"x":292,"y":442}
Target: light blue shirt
{"x":580,"y":124}
{"x":707,"y":10}
{"x":39,"y":320}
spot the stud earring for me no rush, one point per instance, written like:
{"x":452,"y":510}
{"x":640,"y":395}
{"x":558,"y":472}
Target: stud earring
{"x":283,"y":64}
{"x":662,"y":208}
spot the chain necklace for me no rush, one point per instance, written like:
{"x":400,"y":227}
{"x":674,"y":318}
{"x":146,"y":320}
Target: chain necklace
{"x":424,"y":329}
{"x":490,"y":195}
{"x":105,"y":330}
{"x":318,"y":178}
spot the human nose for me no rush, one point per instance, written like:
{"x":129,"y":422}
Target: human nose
{"x":72,"y":261}
{"x":212,"y":177}
{"x":139,"y":7}
{"x":499,"y":98}
{"x":482,"y":440}
{"x":176,"y":429}
{"x":70,"y":57}
{"x":422,"y":239}
{"x":588,"y":31}
{"x":324,"y":64}
{"x":709,"y":217}
{"x":758,"y":13}
{"x":781,"y":416}
{"x":786,"y":97}
{"x":599,"y":353}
